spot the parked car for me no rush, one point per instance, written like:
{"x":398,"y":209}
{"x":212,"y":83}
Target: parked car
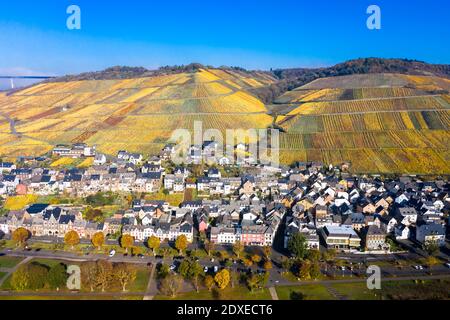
{"x":205,"y":269}
{"x":447,"y":264}
{"x":112,"y":253}
{"x":173,"y":267}
{"x":216,"y":269}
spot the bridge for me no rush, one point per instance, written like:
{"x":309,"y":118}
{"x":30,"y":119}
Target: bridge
{"x":11,"y":78}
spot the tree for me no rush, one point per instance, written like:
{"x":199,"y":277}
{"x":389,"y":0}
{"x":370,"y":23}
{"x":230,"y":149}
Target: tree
{"x":222,"y":279}
{"x":314,"y":271}
{"x":184,"y":269}
{"x":89,"y":271}
{"x":126,"y":242}
{"x":256,"y":258}
{"x":431,"y":248}
{"x":98,"y":240}
{"x":238,"y":248}
{"x":154,"y":244}
{"x":267,"y":251}
{"x":171,"y":285}
{"x":163,"y":270}
{"x":38,"y":275}
{"x":209,"y":247}
{"x":209,"y":282}
{"x":431,"y":261}
{"x":181,"y":243}
{"x":125,"y":274}
{"x":286,"y":263}
{"x":298,"y":246}
{"x":196,"y":271}
{"x":252,"y":282}
{"x":104,"y":274}
{"x":304,"y":270}
{"x":313,"y":255}
{"x":20,"y":279}
{"x":57,"y":276}
{"x":20,"y":236}
{"x":268,"y":265}
{"x":72,"y":238}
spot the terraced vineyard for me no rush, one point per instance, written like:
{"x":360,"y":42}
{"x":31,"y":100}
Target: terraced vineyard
{"x":377,"y":129}
{"x":138,"y":115}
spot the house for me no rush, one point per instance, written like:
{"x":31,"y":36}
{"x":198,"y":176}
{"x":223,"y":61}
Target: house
{"x":7,"y":167}
{"x":402,"y":232}
{"x":375,"y":239}
{"x":432,"y":233}
{"x":342,"y":238}
{"x":100,"y":159}
{"x":214,"y":173}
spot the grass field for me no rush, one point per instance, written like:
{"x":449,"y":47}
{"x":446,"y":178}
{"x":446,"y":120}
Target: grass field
{"x":237,"y":293}
{"x":9,"y":262}
{"x":310,"y":292}
{"x":174,"y":199}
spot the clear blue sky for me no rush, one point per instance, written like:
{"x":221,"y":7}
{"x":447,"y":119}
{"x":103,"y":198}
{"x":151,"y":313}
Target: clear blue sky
{"x":256,"y":34}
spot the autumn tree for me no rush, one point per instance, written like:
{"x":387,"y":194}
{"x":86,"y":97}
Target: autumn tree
{"x":126,"y":242}
{"x":222,"y":279}
{"x":209,"y":247}
{"x":154,"y":243}
{"x":20,"y":236}
{"x":98,"y":240}
{"x":89,"y":271}
{"x":431,"y":261}
{"x":256,"y":258}
{"x":209,"y":282}
{"x":171,"y":285}
{"x":104,"y":274}
{"x":181,"y":243}
{"x":20,"y":279}
{"x":72,"y":238}
{"x":267,"y":251}
{"x":267,"y":265}
{"x":238,"y":249}
{"x":298,"y":246}
{"x":125,"y":274}
{"x":314,"y":270}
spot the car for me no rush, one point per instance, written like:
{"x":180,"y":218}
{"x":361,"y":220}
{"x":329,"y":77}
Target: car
{"x":447,"y":264}
{"x":205,"y":269}
{"x":112,"y":253}
{"x":212,"y":260}
{"x":173,"y":267}
{"x":216,"y":269}
{"x":343,"y":268}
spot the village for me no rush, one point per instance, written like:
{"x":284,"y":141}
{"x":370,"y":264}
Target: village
{"x":247,"y":203}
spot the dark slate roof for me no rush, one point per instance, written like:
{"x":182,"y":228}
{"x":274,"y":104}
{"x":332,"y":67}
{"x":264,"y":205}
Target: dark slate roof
{"x":37,"y":208}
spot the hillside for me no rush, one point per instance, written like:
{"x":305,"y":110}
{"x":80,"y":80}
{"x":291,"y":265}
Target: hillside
{"x":136,"y":114}
{"x":381,"y":123}
{"x":289,"y":79}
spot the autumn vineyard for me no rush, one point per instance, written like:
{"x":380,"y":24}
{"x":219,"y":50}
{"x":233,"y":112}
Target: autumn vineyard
{"x":380,"y":123}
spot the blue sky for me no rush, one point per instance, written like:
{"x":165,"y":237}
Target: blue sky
{"x":256,"y":34}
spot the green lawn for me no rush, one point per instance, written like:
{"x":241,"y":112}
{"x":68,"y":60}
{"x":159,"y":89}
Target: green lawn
{"x":9,"y":262}
{"x":237,"y":293}
{"x":310,"y":292}
{"x":356,"y":291}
